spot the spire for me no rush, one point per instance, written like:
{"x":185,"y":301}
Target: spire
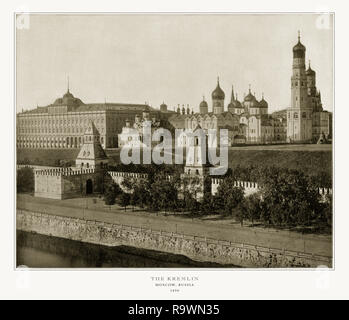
{"x":203,"y":97}
{"x":218,"y":80}
{"x":309,"y":63}
{"x":299,"y":36}
{"x":68,"y":84}
{"x":262,"y":95}
{"x":232,"y":94}
{"x":249,"y":88}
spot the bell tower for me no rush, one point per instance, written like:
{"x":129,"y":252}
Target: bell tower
{"x":299,"y":123}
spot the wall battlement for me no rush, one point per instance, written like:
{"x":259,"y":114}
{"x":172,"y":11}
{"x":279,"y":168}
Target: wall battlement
{"x":252,"y":187}
{"x":127,"y":174}
{"x":63,"y":172}
{"x":249,"y":187}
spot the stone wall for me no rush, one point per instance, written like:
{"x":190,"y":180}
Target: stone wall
{"x":66,"y":183}
{"x":249,"y":187}
{"x":197,"y":248}
{"x":119,"y":177}
{"x":48,"y":186}
{"x":252,"y":187}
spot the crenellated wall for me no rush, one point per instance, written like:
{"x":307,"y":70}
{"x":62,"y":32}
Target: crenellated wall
{"x":119,"y":177}
{"x":252,"y":187}
{"x":197,"y":248}
{"x":65,"y":183}
{"x":249,"y":187}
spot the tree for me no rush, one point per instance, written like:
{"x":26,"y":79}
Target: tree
{"x":228,"y":196}
{"x":207,"y":205}
{"x":289,"y":197}
{"x":326,"y":216}
{"x":191,"y":204}
{"x":251,"y":207}
{"x":163,"y":194}
{"x":125,"y":199}
{"x":111,"y":191}
{"x":25,"y":180}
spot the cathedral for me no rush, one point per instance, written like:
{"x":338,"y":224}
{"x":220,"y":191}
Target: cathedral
{"x":63,"y":123}
{"x":247,"y":121}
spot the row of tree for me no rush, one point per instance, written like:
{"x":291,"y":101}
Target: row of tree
{"x":287,"y":198}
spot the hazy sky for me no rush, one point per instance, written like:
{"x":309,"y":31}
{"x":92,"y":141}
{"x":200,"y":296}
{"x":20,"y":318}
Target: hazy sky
{"x":170,"y":58}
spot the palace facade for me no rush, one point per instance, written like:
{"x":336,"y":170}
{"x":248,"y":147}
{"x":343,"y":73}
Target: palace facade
{"x":62,"y":124}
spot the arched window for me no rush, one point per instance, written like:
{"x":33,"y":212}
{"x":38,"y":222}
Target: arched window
{"x":87,"y":165}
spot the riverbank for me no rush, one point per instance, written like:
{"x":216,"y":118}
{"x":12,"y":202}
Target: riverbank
{"x":39,"y":251}
{"x":214,"y":227}
{"x":193,"y":247}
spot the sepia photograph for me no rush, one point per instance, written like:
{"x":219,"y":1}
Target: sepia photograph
{"x":174,"y":140}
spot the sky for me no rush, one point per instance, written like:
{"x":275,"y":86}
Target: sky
{"x":168,"y":58}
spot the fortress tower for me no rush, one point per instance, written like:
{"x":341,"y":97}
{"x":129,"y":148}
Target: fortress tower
{"x":299,"y":121}
{"x":196,"y":170}
{"x":91,"y":154}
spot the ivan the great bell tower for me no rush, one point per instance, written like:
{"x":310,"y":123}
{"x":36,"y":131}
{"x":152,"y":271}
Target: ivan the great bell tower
{"x":299,"y":122}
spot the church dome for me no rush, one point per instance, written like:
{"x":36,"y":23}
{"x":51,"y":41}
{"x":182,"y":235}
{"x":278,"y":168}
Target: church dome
{"x":218,"y":93}
{"x":263,"y":103}
{"x":299,"y":47}
{"x":255,"y":103}
{"x":235,"y":104}
{"x":249,"y":97}
{"x":203,"y":104}
{"x":163,"y":107}
{"x":310,"y":72}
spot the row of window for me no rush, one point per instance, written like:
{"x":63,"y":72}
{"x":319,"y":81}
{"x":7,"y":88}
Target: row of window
{"x":67,"y":140}
{"x":56,"y":130}
{"x":295,"y":115}
{"x":34,"y":122}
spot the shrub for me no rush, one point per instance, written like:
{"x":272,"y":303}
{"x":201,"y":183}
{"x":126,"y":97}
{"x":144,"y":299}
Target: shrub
{"x":25,"y":180}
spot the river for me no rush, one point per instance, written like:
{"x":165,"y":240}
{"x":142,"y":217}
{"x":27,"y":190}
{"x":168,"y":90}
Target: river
{"x":40,"y":251}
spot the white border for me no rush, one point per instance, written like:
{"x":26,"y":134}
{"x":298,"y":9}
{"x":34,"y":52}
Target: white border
{"x":136,"y":284}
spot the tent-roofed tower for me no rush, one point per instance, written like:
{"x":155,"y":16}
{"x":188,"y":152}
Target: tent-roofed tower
{"x":91,"y":154}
